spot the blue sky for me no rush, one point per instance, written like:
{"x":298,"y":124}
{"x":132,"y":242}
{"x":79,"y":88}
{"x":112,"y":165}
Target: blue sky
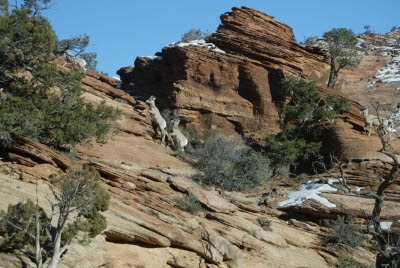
{"x":121,"y":30}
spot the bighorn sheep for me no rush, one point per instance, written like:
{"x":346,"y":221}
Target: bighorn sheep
{"x":75,"y":60}
{"x":178,"y":136}
{"x":162,"y":124}
{"x":373,"y":120}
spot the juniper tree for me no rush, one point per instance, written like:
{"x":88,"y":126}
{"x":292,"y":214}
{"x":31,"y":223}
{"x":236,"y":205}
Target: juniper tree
{"x":341,"y":45}
{"x":42,"y":102}
{"x":76,"y":198}
{"x":306,"y":114}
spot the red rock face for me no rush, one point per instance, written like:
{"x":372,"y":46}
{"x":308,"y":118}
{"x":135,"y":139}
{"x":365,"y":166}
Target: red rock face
{"x":237,"y":91}
{"x":255,"y":35}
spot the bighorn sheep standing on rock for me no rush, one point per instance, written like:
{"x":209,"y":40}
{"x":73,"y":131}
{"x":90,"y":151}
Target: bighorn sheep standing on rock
{"x":162,"y":124}
{"x":373,"y":120}
{"x":75,"y":60}
{"x":178,"y":136}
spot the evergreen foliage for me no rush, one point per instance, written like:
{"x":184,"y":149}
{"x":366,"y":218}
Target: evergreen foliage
{"x":42,"y":102}
{"x":189,"y":203}
{"x":76,"y":191}
{"x":195,"y":34}
{"x":90,"y":58}
{"x":305,"y":115}
{"x":342,"y":46}
{"x":17,"y":218}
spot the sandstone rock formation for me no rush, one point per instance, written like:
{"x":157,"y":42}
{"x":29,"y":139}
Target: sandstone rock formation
{"x":235,"y":90}
{"x":238,"y":92}
{"x":144,"y":225}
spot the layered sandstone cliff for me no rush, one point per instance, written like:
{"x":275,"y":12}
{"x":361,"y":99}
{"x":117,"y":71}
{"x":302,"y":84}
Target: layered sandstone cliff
{"x":236,"y":89}
{"x":233,"y":89}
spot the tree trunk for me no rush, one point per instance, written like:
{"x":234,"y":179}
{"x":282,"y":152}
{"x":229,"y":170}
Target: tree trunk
{"x":38,"y":255}
{"x":57,"y":241}
{"x":333,"y":75}
{"x":56,"y":251}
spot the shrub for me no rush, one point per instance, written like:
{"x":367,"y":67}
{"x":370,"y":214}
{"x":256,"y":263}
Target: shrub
{"x":343,"y":231}
{"x":225,"y":163}
{"x":346,"y":261}
{"x":195,"y":34}
{"x":309,"y":41}
{"x":265,"y":223}
{"x":76,"y":191}
{"x":20,"y":215}
{"x":189,"y":203}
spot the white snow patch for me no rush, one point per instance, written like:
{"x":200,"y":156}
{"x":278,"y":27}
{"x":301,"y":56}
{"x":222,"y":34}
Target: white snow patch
{"x":390,"y":73}
{"x":154,"y":57}
{"x":385,"y":225}
{"x":332,"y":181}
{"x":394,"y":121}
{"x":200,"y":43}
{"x":117,"y":78}
{"x":359,"y":189}
{"x":309,"y":190}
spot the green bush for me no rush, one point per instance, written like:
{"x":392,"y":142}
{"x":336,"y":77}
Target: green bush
{"x":195,"y":34}
{"x":189,"y":203}
{"x":21,"y":215}
{"x":265,"y":223}
{"x":77,"y":190}
{"x":346,"y":261}
{"x":343,"y":231}
{"x":230,"y":165}
{"x":44,"y":103}
{"x":284,"y":151}
{"x":306,"y":116}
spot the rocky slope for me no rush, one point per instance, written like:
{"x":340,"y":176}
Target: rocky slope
{"x":145,"y":228}
{"x":231,"y":86}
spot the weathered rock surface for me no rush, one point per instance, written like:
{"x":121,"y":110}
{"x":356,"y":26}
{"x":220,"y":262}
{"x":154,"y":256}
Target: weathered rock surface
{"x":255,"y":35}
{"x":144,"y":225}
{"x":233,"y":92}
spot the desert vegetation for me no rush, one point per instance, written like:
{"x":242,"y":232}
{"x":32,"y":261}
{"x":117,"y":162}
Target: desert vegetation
{"x":75,"y":205}
{"x":228,"y":163}
{"x":195,"y":34}
{"x":41,"y":101}
{"x":306,"y":115}
{"x":341,"y":45}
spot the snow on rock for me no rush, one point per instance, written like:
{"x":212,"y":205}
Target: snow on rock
{"x":385,"y":225}
{"x":390,"y":73}
{"x":394,"y":120}
{"x":309,"y":190}
{"x":200,"y":43}
{"x":332,"y":181}
{"x":153,"y":57}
